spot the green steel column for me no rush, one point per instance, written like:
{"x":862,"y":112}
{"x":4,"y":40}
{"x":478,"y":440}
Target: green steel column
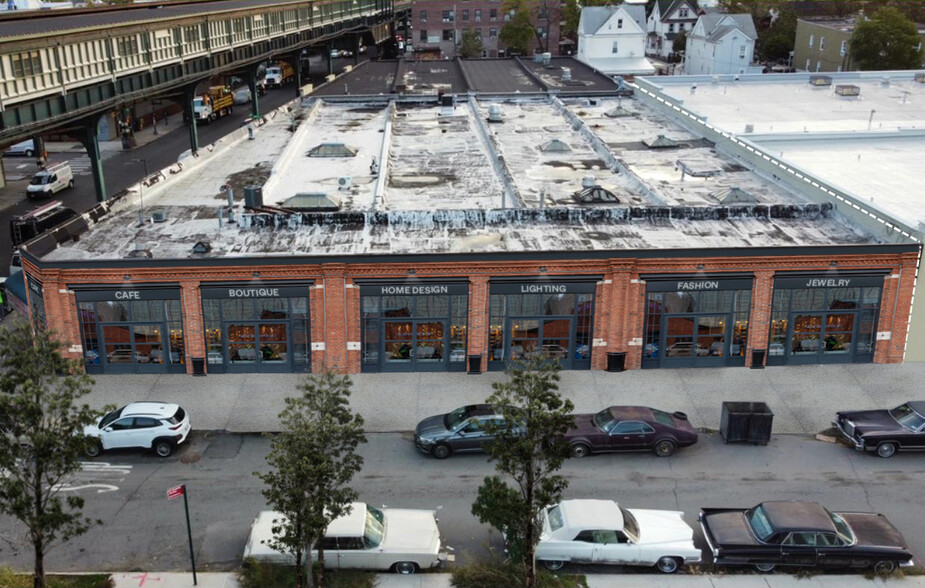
{"x":255,"y":95}
{"x":91,"y":142}
{"x":189,"y":93}
{"x":297,"y":64}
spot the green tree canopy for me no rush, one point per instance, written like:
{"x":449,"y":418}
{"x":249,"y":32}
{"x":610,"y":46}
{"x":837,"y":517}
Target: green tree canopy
{"x":528,"y":450}
{"x":471,"y":44}
{"x":518,"y":31}
{"x":313,"y":462}
{"x":888,"y":40}
{"x":41,"y":438}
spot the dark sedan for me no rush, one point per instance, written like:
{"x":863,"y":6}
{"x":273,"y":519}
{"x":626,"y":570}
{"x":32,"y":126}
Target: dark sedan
{"x":805,"y":534}
{"x":630,"y":428}
{"x":885,"y":431}
{"x":464,"y":429}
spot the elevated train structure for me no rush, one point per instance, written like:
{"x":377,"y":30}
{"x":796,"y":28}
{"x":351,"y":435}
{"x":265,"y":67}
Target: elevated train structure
{"x":63,"y":70}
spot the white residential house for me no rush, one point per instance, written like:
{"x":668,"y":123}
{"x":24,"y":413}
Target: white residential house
{"x":666,"y":21}
{"x":721,"y":44}
{"x":612,"y":39}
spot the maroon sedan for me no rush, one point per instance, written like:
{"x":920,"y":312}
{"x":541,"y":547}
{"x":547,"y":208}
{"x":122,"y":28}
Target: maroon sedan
{"x":630,"y":428}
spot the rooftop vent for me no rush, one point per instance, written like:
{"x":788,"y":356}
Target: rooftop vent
{"x":734,"y":195}
{"x":920,"y":78}
{"x":566,"y":74}
{"x":332,"y":150}
{"x":820,"y":80}
{"x":313,"y":202}
{"x":660,"y":142}
{"x":159,"y":216}
{"x":202,"y":247}
{"x":555,"y":146}
{"x":253,"y":197}
{"x":847,"y":90}
{"x":494,"y":113}
{"x":618,"y":112}
{"x":547,"y":59}
{"x":140,"y":254}
{"x":591,"y":194}
{"x":885,"y":81}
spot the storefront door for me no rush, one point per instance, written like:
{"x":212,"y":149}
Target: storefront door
{"x":412,"y":346}
{"x":822,"y":337}
{"x":697,"y":341}
{"x":257,"y":347}
{"x":551,"y":337}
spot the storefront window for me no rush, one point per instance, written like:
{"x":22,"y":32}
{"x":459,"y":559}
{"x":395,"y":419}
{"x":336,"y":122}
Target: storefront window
{"x":137,"y":331}
{"x":37,"y":303}
{"x":257,"y":329}
{"x":419,"y":327}
{"x":826,"y":319}
{"x":541,"y":320}
{"x":696,"y":322}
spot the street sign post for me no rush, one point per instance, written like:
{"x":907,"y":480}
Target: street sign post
{"x":177,"y":492}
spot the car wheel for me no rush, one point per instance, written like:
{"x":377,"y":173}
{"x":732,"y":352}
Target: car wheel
{"x":163,"y":448}
{"x":70,"y":184}
{"x":94,"y":448}
{"x":668,"y":565}
{"x":580,"y":450}
{"x":886,"y":449}
{"x":441,"y":451}
{"x":405,"y":567}
{"x":765,"y":567}
{"x":554,"y":564}
{"x":884,"y":568}
{"x":28,"y":152}
{"x":665,"y":447}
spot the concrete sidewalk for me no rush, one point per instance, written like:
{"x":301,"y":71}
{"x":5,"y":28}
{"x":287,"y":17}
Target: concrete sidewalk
{"x":142,"y":138}
{"x":803,"y":398}
{"x":172,"y":580}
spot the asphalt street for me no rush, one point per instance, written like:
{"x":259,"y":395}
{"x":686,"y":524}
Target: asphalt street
{"x":121,"y":168}
{"x":142,"y":530}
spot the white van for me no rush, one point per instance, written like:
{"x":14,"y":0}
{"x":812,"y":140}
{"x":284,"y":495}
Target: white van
{"x":51,"y":180}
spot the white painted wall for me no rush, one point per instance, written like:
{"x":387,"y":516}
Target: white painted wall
{"x":703,"y":57}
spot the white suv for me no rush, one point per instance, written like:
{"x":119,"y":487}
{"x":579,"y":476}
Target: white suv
{"x":153,"y":425}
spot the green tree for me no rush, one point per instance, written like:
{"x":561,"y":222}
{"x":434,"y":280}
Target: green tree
{"x":313,"y":461}
{"x":528,"y":450}
{"x":518,"y":30}
{"x":41,"y":438}
{"x":680,"y":42}
{"x":888,"y":40}
{"x":471,"y":44}
{"x":776,"y":43}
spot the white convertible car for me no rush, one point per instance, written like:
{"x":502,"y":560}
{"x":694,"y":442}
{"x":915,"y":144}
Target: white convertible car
{"x":602,"y":532}
{"x":389,"y":539}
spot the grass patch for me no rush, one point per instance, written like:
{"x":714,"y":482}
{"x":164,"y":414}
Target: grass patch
{"x":263,"y":575}
{"x":494,"y":574}
{"x":11,"y":579}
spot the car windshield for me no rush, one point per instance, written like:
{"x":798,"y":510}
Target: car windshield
{"x":554,"y":516}
{"x":907,"y":417}
{"x":197,"y":103}
{"x":630,"y":526}
{"x":842,"y":528}
{"x":663,"y":417}
{"x":604,"y":420}
{"x":40,"y":180}
{"x":375,"y":527}
{"x":760,"y":524}
{"x":109,"y":418}
{"x":453,"y":419}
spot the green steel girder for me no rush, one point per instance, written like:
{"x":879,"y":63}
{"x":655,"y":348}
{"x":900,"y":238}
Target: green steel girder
{"x":20,"y":121}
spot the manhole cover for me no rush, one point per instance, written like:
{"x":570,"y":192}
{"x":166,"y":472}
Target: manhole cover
{"x":190,"y":458}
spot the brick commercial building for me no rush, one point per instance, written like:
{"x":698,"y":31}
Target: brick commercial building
{"x":438,"y":25}
{"x":396,"y":233}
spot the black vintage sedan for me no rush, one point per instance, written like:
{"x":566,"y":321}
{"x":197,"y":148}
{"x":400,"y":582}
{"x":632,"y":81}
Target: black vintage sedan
{"x":463,"y":429}
{"x":804,"y":534}
{"x":885,"y":431}
{"x":630,"y":428}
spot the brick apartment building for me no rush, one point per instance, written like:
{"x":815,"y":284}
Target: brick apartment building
{"x":438,"y":25}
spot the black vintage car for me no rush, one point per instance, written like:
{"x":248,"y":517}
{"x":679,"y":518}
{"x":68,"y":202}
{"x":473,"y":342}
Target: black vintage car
{"x":630,"y":428}
{"x":805,"y":534}
{"x":885,"y":431}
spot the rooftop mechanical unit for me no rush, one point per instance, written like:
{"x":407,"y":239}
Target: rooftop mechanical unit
{"x":494,"y":113}
{"x":820,"y":80}
{"x":847,"y":90}
{"x":920,"y":78}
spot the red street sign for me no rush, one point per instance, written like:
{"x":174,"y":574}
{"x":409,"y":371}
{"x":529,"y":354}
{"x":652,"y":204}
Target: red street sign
{"x":176,"y":492}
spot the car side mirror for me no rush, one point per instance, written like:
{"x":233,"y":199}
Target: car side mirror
{"x":108,"y":429}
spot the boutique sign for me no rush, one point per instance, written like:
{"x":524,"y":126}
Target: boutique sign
{"x":262,"y":291}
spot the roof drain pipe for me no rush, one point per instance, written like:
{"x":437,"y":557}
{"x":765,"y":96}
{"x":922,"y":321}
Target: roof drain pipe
{"x":511,"y":197}
{"x":384,"y":150}
{"x":601,"y":148}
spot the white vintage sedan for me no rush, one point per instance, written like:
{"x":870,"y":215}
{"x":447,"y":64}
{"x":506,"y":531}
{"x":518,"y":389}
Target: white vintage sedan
{"x":603,"y":532}
{"x":389,"y":539}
